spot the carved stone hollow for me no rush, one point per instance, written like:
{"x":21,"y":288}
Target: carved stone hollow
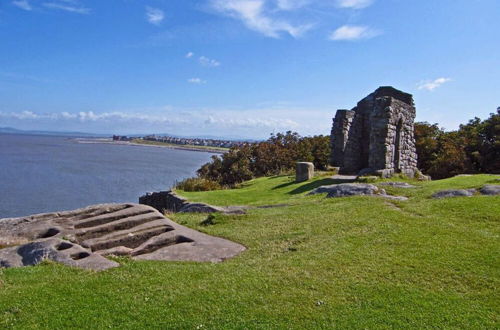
{"x":84,"y":237}
{"x":376,"y":136}
{"x":304,"y":171}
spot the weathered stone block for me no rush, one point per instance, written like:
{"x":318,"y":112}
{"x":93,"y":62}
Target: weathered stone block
{"x":304,"y":171}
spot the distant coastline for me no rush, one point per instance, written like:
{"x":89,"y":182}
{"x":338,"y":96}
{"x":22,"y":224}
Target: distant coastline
{"x":144,"y":143}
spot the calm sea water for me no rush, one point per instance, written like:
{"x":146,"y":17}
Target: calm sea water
{"x":46,"y":173}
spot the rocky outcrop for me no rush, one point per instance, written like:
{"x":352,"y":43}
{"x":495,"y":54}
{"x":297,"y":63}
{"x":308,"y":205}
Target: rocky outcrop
{"x":454,"y":193}
{"x":348,"y":189}
{"x":169,"y":201}
{"x":354,"y":189}
{"x":490,"y":189}
{"x":164,"y":201}
{"x":83,"y":237}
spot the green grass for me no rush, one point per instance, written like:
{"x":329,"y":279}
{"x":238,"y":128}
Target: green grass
{"x":359,"y":262}
{"x":179,"y":146}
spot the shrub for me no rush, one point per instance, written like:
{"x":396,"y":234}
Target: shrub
{"x":473,"y":148}
{"x":275,"y":156}
{"x":198,"y":184}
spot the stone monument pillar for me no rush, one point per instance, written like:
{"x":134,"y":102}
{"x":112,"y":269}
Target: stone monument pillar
{"x":304,"y":171}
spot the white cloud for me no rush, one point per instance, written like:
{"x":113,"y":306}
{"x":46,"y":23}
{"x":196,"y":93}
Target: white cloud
{"x":254,"y":122}
{"x":355,"y":4}
{"x":205,"y":61}
{"x":23,"y":4}
{"x":431,"y":85}
{"x":196,"y":81}
{"x":154,"y":15}
{"x":69,"y":6}
{"x":189,"y":55}
{"x":291,"y":4}
{"x":256,"y":16}
{"x":353,"y":32}
{"x":246,"y":122}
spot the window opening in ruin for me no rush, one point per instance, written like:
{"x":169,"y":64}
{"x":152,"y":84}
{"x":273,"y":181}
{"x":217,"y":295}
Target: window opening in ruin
{"x":397,"y":146}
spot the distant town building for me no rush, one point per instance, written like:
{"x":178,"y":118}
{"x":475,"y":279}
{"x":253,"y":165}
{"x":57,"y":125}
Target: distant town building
{"x":121,"y":138}
{"x":195,"y":142}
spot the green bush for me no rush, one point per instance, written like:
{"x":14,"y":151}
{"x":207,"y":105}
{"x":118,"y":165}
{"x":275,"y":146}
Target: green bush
{"x":275,"y":156}
{"x":473,"y":148}
{"x":197,"y":184}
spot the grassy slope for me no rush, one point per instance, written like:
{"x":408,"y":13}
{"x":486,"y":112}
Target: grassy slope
{"x":358,"y":262}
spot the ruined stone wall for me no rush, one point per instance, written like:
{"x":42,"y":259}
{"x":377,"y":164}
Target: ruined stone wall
{"x":339,"y":135}
{"x":376,"y":136}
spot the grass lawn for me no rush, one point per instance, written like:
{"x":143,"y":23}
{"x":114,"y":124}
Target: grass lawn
{"x":359,"y":262}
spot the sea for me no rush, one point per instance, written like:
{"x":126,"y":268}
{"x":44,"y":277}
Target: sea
{"x":41,"y":174}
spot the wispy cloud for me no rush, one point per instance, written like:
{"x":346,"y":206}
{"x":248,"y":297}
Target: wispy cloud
{"x":196,"y":81}
{"x":16,"y":76}
{"x":256,"y":16}
{"x":353,"y":32}
{"x":431,"y":85}
{"x":189,"y":54}
{"x":205,"y":61}
{"x":258,"y":122}
{"x":292,"y":4}
{"x":69,"y":6}
{"x":154,"y":15}
{"x":23,"y":4}
{"x":355,"y":4}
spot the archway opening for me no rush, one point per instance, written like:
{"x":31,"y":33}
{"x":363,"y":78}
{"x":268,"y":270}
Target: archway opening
{"x":397,"y":146}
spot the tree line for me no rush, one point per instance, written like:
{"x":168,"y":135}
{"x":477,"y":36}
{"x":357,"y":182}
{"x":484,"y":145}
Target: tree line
{"x":473,"y":148}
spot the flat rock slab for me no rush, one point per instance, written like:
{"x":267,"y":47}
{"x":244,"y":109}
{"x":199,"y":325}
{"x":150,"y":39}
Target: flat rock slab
{"x":490,"y":189}
{"x":354,"y":189}
{"x":398,"y":184}
{"x":454,"y":193}
{"x":347,"y":189}
{"x":84,"y":237}
{"x":344,"y":178}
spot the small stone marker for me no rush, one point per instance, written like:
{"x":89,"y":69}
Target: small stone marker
{"x":304,"y":171}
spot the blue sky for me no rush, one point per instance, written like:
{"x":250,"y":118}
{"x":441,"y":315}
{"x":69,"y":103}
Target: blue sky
{"x":241,"y":68}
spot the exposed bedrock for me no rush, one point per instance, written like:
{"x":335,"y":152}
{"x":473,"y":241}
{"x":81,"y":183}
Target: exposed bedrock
{"x":83,"y":238}
{"x":354,"y":189}
{"x":169,"y":201}
{"x":454,"y":193}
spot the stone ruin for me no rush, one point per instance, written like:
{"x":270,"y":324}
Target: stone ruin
{"x":376,"y":136}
